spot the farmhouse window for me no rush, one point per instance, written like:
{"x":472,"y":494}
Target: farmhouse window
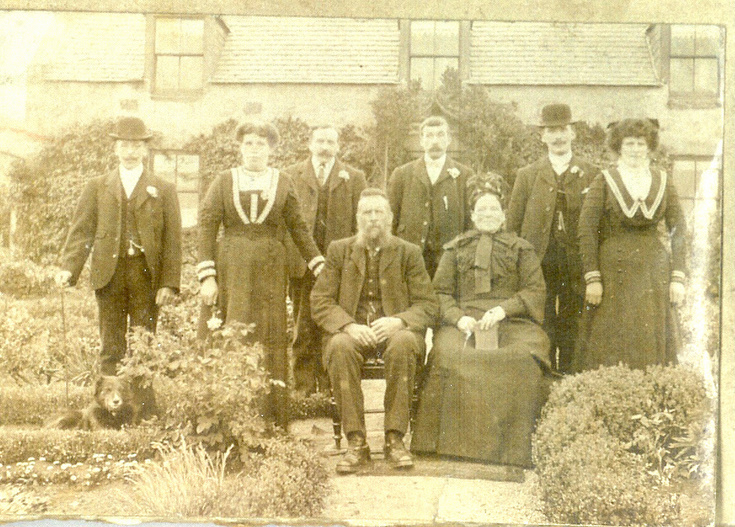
{"x":179,"y":52}
{"x":694,"y":62}
{"x":434,"y":48}
{"x":181,"y":169}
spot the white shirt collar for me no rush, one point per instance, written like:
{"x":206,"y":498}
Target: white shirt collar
{"x":327,"y":167}
{"x":560,"y":163}
{"x":434,"y":166}
{"x":130,"y":178}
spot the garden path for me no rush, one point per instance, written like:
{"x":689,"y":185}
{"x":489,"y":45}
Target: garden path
{"x":436,"y":491}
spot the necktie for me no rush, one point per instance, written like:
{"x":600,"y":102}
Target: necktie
{"x":321,"y":174}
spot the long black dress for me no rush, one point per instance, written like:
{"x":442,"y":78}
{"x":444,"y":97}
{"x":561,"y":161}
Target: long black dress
{"x":483,"y":404}
{"x":251,"y":263}
{"x":621,"y":238}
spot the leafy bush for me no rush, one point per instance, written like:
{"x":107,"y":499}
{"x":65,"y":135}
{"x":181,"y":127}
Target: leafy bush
{"x":188,"y":482}
{"x":18,"y":445}
{"x":48,"y":187}
{"x":309,"y":407}
{"x":213,"y":391}
{"x":40,"y":342}
{"x":21,"y":278}
{"x":621,"y":446}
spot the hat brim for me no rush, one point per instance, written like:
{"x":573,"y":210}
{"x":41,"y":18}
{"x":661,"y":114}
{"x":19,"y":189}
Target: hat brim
{"x":131,"y":138}
{"x":560,"y":122}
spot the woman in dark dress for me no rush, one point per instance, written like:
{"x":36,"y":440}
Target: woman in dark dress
{"x":482,"y":403}
{"x":635,"y":276}
{"x":248,"y":281}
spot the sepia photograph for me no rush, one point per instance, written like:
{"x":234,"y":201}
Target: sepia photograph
{"x":364,"y":267}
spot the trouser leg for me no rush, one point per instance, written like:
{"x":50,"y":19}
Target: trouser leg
{"x":308,"y":370}
{"x":112,"y":304}
{"x":344,"y":360}
{"x":570,"y":312}
{"x":402,"y":351}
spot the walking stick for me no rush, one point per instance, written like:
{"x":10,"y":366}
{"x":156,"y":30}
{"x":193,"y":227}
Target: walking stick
{"x":63,"y":346}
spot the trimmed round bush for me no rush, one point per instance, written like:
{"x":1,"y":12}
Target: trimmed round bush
{"x":627,"y":447}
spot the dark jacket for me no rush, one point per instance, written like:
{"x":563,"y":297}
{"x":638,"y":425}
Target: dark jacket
{"x":344,"y":185}
{"x":405,"y":286}
{"x":516,"y":281}
{"x":97,"y":226}
{"x":410,"y":192}
{"x":532,"y":202}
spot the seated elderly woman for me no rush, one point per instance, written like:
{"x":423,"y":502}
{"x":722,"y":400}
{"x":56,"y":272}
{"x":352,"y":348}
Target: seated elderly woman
{"x":479,"y":402}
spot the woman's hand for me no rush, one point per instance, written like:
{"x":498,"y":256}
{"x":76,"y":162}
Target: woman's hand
{"x":209,"y":291}
{"x":466,"y":325}
{"x":492,"y":317}
{"x":677,"y":293}
{"x":593,"y":294}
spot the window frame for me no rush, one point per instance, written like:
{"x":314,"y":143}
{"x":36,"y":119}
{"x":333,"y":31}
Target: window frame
{"x":410,"y":55}
{"x":695,"y":98}
{"x":176,"y":93}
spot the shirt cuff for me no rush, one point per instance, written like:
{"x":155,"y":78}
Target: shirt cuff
{"x":314,"y":262}
{"x":678,"y":276}
{"x":205,"y":270}
{"x":592,"y":277}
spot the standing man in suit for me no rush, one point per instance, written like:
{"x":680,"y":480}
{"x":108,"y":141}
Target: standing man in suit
{"x":131,"y":222}
{"x":428,"y":196}
{"x":374,"y":296}
{"x":544,"y":209}
{"x":328,"y":191}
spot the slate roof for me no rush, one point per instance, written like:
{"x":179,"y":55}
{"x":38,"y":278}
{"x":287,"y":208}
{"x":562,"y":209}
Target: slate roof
{"x":309,"y":50}
{"x":543,"y":53}
{"x":96,"y":47}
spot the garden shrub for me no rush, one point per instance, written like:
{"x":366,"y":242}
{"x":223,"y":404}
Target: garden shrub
{"x":211,"y":390}
{"x":37,"y":345}
{"x":621,"y":446}
{"x":309,"y":407}
{"x":22,"y":278}
{"x":48,"y":187}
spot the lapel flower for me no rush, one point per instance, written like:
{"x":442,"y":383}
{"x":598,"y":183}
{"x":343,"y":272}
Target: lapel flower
{"x":152,"y":191}
{"x":576,"y":170}
{"x":454,"y":172}
{"x":344,"y":175}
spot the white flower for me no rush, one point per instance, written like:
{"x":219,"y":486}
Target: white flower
{"x":153,"y":191}
{"x":344,"y":175}
{"x":454,"y":172}
{"x":277,"y":382}
{"x":576,"y":170}
{"x":214,"y":323}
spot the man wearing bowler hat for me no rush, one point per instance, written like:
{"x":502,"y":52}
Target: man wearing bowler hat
{"x":544,"y":209}
{"x":130,"y":221}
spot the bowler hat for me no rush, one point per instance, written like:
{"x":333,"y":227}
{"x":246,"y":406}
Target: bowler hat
{"x":131,"y":129}
{"x":556,"y":115}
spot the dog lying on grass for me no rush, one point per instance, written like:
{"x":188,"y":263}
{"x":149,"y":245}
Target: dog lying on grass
{"x":113,"y":407}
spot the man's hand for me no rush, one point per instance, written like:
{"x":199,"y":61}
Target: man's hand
{"x":466,"y":325}
{"x":362,"y":334}
{"x":491,"y":317}
{"x":386,"y":327}
{"x":165,"y":296}
{"x":677,"y":293}
{"x":593,"y":293}
{"x":63,"y":278}
{"x":208,"y":291}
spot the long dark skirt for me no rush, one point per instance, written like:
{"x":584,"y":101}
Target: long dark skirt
{"x":483,"y":405}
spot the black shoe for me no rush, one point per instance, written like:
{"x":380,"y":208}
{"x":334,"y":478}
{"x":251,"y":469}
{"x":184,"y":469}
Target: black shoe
{"x":357,"y":455}
{"x":396,"y":453}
